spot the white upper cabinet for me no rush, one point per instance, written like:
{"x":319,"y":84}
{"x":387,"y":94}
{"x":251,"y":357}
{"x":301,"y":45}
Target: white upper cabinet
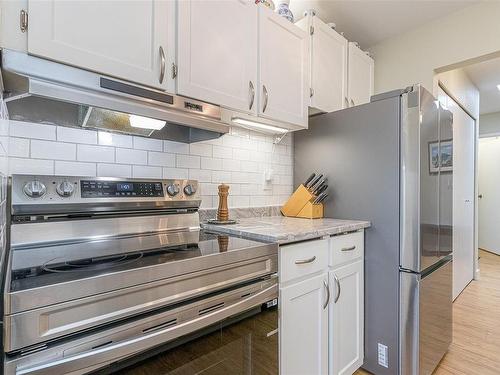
{"x":132,"y":40}
{"x":328,"y":64}
{"x":360,"y":76}
{"x":284,"y":69}
{"x":217,"y":52}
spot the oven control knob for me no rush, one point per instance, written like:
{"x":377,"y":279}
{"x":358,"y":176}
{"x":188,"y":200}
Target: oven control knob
{"x":34,"y":189}
{"x":173,"y":190}
{"x":189,"y":189}
{"x":65,"y":189}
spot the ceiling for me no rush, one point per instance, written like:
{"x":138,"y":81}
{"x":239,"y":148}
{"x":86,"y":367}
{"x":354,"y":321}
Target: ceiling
{"x":368,"y":22}
{"x":486,"y":77}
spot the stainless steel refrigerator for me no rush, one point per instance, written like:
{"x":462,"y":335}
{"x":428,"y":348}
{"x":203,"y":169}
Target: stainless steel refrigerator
{"x":390,"y":162}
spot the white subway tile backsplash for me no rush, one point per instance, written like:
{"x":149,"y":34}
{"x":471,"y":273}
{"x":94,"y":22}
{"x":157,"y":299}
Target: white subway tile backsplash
{"x":200,"y":149}
{"x":211,"y":163}
{"x":65,"y":134}
{"x":32,"y":130}
{"x":103,"y":154}
{"x":222,"y":152}
{"x":161,"y":159}
{"x":52,"y":150}
{"x":19,"y":147}
{"x":72,"y":168}
{"x":175,"y":147}
{"x":129,"y":156}
{"x":231,"y":165}
{"x":221,"y":177}
{"x":187,"y":161}
{"x":113,"y":139}
{"x":201,"y":175}
{"x":238,"y":159}
{"x":141,"y":171}
{"x":114,"y":170}
{"x":176,"y":173}
{"x":149,"y":144}
{"x":31,"y":166}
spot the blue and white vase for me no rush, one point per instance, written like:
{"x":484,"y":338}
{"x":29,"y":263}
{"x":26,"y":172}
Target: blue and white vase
{"x":284,"y":11}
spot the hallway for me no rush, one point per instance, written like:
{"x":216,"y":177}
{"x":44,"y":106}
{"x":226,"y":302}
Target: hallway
{"x":476,"y":328}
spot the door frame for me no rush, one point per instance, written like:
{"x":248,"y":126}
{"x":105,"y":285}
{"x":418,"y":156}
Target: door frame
{"x":476,"y":270}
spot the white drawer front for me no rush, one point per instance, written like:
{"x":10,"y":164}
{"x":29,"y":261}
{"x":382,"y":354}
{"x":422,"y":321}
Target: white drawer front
{"x":302,"y":259}
{"x":346,"y":248}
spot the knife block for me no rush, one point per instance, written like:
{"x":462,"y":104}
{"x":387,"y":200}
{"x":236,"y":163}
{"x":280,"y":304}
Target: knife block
{"x":300,"y":205}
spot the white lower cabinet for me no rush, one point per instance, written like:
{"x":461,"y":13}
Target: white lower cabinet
{"x":346,"y":316}
{"x":304,"y":327}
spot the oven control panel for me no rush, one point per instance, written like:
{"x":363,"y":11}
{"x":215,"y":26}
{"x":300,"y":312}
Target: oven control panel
{"x":127,"y":189}
{"x":35,"y":193}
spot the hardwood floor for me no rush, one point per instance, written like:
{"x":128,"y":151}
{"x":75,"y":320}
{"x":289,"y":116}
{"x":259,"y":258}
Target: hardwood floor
{"x":476,"y":326}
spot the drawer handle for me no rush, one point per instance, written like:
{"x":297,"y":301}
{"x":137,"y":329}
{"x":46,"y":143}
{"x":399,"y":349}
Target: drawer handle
{"x":348,"y":248}
{"x":305,"y":261}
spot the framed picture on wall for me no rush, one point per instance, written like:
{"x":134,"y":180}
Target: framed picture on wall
{"x":446,"y":157}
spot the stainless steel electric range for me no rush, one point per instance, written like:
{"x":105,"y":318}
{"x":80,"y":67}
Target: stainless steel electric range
{"x":102,"y":272}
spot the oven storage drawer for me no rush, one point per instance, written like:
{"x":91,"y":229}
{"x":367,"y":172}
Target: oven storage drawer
{"x":113,"y":344}
{"x":51,"y":322}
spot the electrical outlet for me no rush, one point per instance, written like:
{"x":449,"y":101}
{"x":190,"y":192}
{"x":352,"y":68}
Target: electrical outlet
{"x":383,"y":355}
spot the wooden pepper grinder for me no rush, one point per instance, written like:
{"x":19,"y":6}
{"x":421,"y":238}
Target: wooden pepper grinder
{"x":223,"y":211}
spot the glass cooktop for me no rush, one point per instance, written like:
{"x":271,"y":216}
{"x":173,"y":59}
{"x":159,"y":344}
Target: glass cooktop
{"x":52,"y":264}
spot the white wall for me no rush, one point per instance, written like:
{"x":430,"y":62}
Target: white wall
{"x":489,"y":124}
{"x":238,"y":159}
{"x":412,"y":57}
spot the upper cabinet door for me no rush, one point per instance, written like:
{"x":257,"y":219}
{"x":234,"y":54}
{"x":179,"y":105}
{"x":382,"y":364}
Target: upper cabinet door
{"x":217,"y":52}
{"x":283,"y":68}
{"x":132,"y":40}
{"x":328,"y":68}
{"x":360,"y":77}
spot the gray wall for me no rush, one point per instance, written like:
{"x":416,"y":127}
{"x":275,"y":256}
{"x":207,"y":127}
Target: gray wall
{"x":489,"y":123}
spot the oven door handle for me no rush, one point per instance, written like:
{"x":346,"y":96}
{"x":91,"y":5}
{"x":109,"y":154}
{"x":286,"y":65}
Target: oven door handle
{"x":121,"y":349}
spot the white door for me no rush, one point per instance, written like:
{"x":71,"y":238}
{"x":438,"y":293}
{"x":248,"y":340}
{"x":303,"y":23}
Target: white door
{"x":304,"y":327}
{"x":284,"y":69}
{"x":463,"y":194}
{"x":132,"y":40}
{"x":329,"y":68}
{"x":360,"y":76}
{"x":489,"y":193}
{"x":347,"y":319}
{"x":217,"y":52}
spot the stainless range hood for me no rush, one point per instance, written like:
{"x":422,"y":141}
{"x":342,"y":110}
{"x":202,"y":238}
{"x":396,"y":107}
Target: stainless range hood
{"x":44,"y":91}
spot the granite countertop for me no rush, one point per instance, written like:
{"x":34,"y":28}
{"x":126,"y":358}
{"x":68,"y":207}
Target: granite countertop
{"x":284,"y":230}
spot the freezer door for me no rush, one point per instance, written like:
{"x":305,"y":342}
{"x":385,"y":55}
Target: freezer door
{"x":419,"y":181}
{"x":426,"y":318}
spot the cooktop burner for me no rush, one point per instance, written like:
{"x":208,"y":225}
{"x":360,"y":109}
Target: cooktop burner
{"x":67,"y":262}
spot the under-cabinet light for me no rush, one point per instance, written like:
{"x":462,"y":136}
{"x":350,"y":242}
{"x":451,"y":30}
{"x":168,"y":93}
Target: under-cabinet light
{"x":258,"y":125}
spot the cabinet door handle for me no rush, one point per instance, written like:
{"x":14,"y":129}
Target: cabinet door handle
{"x":305,"y":261}
{"x":337,"y":283}
{"x":348,"y":248}
{"x":266,"y":98}
{"x":346,"y":102}
{"x":327,"y":287}
{"x":251,"y":91}
{"x":162,"y":64}
{"x":352,"y":103}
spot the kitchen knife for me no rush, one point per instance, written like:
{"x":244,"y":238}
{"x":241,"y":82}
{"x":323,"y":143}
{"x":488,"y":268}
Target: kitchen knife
{"x":314,"y":182}
{"x":320,"y":198}
{"x":309,"y":179}
{"x":318,"y":185}
{"x":321,"y":189}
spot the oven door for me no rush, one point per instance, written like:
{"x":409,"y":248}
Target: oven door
{"x":250,"y":342}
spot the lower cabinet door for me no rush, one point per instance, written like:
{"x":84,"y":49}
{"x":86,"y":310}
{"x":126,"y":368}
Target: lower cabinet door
{"x":304,"y":327}
{"x":346,"y":319}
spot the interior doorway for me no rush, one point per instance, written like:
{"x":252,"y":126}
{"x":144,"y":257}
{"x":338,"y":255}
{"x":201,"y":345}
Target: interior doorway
{"x":464,"y":140}
{"x":489,"y":194}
